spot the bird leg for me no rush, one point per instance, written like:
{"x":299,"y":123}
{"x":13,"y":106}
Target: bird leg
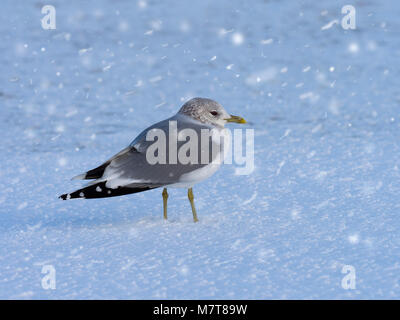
{"x":165,"y":199}
{"x":190,"y":196}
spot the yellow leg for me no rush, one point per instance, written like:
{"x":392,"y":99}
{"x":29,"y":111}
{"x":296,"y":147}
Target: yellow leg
{"x":190,"y":196}
{"x":165,"y":199}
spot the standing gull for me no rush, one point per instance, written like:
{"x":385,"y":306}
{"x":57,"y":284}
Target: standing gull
{"x":151,"y":162}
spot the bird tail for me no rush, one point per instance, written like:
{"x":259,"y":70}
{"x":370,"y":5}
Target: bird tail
{"x":99,"y":190}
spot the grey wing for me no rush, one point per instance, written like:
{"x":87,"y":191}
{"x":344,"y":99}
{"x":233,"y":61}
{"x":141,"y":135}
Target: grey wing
{"x":131,"y":167}
{"x":129,"y":154}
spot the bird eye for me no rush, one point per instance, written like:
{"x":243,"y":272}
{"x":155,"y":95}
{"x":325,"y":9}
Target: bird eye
{"x":214,"y":113}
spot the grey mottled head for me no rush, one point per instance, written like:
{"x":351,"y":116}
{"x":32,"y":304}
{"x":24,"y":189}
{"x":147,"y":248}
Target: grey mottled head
{"x":208,"y":111}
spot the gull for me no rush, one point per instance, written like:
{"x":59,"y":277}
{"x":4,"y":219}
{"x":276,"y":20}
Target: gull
{"x":162,"y":156}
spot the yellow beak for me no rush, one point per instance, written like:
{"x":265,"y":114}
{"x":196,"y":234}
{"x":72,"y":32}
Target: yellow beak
{"x":236,"y":119}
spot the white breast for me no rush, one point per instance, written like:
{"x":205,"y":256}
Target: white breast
{"x":187,"y":180}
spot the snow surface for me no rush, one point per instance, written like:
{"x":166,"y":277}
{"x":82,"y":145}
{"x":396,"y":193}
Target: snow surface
{"x":324,"y":104}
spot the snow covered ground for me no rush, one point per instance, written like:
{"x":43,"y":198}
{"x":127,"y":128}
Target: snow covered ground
{"x":324,"y":104}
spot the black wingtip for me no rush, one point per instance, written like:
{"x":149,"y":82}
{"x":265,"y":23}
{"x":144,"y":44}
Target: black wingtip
{"x":63,"y":196}
{"x":100,"y":190}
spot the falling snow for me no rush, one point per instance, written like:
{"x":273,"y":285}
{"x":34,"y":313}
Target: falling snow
{"x":324,"y":106}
